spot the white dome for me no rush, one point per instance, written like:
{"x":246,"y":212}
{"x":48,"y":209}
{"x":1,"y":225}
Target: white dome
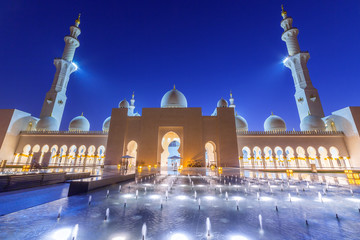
{"x":222,"y":103}
{"x":106,"y":124}
{"x":274,"y":123}
{"x":312,"y":123}
{"x":47,"y":124}
{"x":173,"y":99}
{"x":240,"y":123}
{"x":79,"y":123}
{"x":124,"y":104}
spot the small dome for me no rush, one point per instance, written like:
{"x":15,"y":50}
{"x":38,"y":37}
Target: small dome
{"x":240,"y":123}
{"x":173,"y":99}
{"x":79,"y":123}
{"x":106,"y":124}
{"x":47,"y":124}
{"x":312,"y":123}
{"x":274,"y":123}
{"x":222,"y":103}
{"x":124,"y":104}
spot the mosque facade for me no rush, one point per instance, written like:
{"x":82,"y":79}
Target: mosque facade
{"x":181,"y":135}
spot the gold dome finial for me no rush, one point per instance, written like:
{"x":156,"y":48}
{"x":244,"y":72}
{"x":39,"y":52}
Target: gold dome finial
{"x":133,"y":95}
{"x":272,"y":113}
{"x":174,"y":87}
{"x":283,"y":12}
{"x":77,"y":21}
{"x":82,"y":114}
{"x":230,"y":94}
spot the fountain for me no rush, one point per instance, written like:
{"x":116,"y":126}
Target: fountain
{"x":307,"y":185}
{"x":320,"y":197}
{"x":260,"y":222}
{"x":125,"y":223}
{"x":74,"y":232}
{"x":107,"y":193}
{"x":220,"y":191}
{"x":208,"y":227}
{"x":136,"y":194}
{"x":145,"y":189}
{"x":351,"y":191}
{"x":143,"y":231}
{"x":119,"y":188}
{"x":107,"y":213}
{"x":59,"y":212}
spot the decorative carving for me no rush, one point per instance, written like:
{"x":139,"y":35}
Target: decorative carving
{"x":60,"y":102}
{"x":49,"y":100}
{"x":300,"y":99}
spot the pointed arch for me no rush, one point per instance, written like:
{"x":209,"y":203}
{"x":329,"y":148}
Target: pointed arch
{"x":210,"y":154}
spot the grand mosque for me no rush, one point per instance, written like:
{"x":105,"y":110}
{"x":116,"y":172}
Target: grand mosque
{"x":177,"y":134}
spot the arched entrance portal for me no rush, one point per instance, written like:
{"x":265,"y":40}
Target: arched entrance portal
{"x":170,"y":144}
{"x":131,"y":151}
{"x":210,"y":154}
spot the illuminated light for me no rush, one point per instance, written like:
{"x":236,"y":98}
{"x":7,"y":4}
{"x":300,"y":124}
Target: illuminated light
{"x":237,"y":198}
{"x":285,"y":60}
{"x":149,"y":166}
{"x":147,"y":184}
{"x":127,"y":195}
{"x":238,"y":237}
{"x":76,"y":67}
{"x":164,"y":185}
{"x":209,"y":198}
{"x":179,"y":236}
{"x":61,"y":234}
{"x":118,"y":238}
{"x":182,"y":197}
{"x":354,"y":199}
{"x":154,"y":196}
{"x":323,"y":199}
{"x":118,"y":166}
{"x":200,"y":185}
{"x":267,"y":199}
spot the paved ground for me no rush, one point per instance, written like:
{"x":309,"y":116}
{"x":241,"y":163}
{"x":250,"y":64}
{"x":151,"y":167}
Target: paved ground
{"x":21,"y":199}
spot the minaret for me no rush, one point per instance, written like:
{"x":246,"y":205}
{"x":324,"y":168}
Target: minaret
{"x":231,"y":101}
{"x":132,"y":105}
{"x":55,"y":99}
{"x":306,"y":96}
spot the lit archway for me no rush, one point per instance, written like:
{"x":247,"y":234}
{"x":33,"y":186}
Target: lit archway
{"x":210,"y":154}
{"x":246,"y":157}
{"x":131,"y":151}
{"x":168,"y":138}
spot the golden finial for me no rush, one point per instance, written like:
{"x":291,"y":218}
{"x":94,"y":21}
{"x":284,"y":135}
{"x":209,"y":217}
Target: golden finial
{"x":133,"y":95}
{"x":77,"y":21}
{"x":272,"y":113}
{"x":283,"y":12}
{"x":174,"y":87}
{"x":82,"y":114}
{"x":230,"y":94}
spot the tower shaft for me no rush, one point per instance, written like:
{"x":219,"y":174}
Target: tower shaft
{"x":306,"y":96}
{"x":55,"y":98}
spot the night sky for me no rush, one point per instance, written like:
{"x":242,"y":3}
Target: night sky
{"x":206,"y":48}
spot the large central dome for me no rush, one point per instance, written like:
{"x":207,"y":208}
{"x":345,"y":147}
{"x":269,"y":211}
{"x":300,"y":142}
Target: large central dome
{"x":174,"y":99}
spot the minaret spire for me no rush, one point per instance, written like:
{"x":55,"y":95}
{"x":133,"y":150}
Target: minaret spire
{"x":306,"y":96}
{"x":55,"y":99}
{"x":231,"y":101}
{"x":132,"y":104}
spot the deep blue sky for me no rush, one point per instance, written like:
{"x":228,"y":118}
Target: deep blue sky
{"x":206,"y":48}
